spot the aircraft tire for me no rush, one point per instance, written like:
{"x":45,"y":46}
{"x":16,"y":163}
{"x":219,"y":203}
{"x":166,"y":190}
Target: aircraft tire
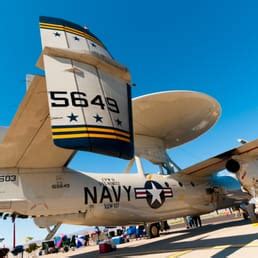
{"x":245,"y":216}
{"x":153,"y":230}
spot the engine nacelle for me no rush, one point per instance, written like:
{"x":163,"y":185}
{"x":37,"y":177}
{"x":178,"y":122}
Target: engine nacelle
{"x":233,"y":166}
{"x":246,"y":172}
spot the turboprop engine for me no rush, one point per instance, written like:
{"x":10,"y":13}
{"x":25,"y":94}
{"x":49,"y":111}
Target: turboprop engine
{"x":246,"y":172}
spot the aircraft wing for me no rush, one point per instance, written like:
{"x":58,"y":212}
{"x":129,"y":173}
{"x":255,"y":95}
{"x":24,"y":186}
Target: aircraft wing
{"x":217,"y":163}
{"x":28,"y":141}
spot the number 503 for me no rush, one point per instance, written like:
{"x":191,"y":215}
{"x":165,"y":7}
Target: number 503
{"x":7,"y":178}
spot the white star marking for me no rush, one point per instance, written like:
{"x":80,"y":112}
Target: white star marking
{"x":155,"y":193}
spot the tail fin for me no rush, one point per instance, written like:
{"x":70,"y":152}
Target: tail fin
{"x":89,"y":93}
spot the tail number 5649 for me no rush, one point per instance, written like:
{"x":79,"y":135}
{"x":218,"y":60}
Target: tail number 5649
{"x":79,"y":99}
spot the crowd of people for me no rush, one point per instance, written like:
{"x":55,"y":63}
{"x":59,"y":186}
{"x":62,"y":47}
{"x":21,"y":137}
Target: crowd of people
{"x":118,"y":235}
{"x":60,"y":243}
{"x":64,"y":243}
{"x":193,"y":221}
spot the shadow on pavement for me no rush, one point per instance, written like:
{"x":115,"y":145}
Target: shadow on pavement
{"x":172,"y":243}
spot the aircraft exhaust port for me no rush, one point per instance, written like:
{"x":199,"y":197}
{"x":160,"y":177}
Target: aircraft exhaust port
{"x":233,"y":166}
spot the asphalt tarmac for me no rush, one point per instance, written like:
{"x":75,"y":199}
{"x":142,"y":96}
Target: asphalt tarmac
{"x":218,"y":237}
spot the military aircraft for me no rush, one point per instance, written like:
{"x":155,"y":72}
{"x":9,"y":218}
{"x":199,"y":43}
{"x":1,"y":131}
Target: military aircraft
{"x":83,"y":103}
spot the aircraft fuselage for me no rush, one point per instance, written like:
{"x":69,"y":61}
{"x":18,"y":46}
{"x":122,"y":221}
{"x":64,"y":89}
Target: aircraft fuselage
{"x":69,"y":196}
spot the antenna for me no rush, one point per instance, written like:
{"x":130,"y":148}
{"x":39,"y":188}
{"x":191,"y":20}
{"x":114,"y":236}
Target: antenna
{"x":242,"y":141}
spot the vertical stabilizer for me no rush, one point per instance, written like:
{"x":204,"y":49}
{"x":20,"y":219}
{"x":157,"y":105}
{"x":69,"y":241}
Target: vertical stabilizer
{"x":89,"y":93}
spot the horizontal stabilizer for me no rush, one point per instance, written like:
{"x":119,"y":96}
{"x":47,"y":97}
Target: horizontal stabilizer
{"x":108,"y":65}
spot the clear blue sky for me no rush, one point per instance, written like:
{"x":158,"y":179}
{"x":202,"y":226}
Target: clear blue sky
{"x":207,"y":46}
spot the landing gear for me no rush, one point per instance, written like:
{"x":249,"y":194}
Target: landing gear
{"x":153,"y":230}
{"x":164,"y":226}
{"x":51,"y":232}
{"x":249,"y":209}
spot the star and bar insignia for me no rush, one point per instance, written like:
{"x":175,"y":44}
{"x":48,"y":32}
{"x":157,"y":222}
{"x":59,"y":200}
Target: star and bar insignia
{"x":154,"y":193}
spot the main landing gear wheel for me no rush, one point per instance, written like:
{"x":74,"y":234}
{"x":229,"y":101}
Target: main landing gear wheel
{"x":153,"y":230}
